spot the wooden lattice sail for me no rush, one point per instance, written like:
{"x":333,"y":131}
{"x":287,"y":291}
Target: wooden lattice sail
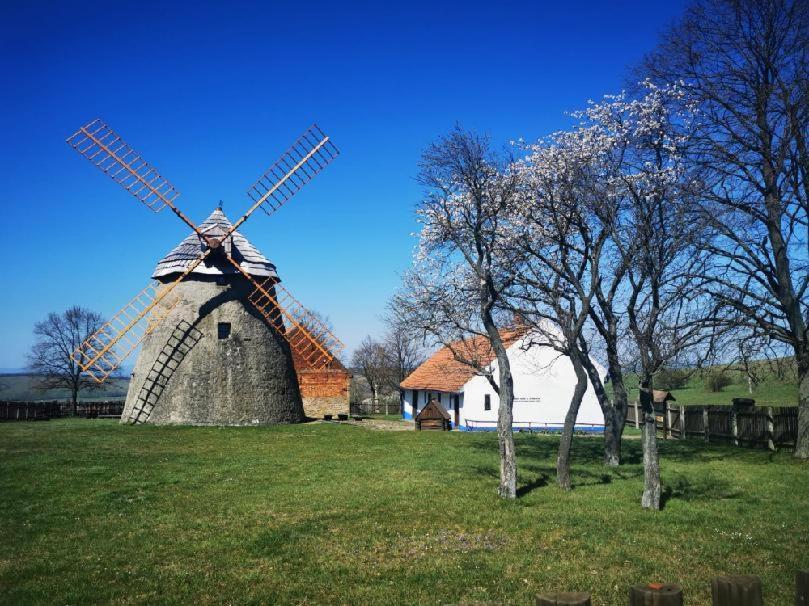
{"x":312,"y":340}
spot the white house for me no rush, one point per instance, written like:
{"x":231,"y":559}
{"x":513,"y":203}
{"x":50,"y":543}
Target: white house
{"x":543,"y":385}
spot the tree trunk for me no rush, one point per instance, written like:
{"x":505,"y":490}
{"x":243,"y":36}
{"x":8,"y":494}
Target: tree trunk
{"x":651,"y":463}
{"x":505,"y":411}
{"x":614,"y":410}
{"x":614,"y":420}
{"x":74,"y":399}
{"x":505,"y":436}
{"x":563,"y":458}
{"x":614,"y":428}
{"x":802,"y":441}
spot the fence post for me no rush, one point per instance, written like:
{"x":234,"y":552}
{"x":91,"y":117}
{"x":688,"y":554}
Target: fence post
{"x":734,"y":425}
{"x":706,"y":424}
{"x":802,"y":588}
{"x":637,"y":420}
{"x":571,"y":598}
{"x":683,"y":432}
{"x":770,"y":427}
{"x":667,"y":421}
{"x":737,"y":590}
{"x":656,"y":594}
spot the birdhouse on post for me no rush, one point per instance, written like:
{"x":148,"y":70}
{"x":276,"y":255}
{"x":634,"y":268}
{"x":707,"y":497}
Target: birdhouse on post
{"x":433,"y":416}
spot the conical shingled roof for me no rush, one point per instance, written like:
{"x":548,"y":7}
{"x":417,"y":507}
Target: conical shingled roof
{"x":189,"y":250}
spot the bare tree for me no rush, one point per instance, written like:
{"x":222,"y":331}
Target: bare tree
{"x":372,"y":361}
{"x":744,"y":65}
{"x":464,"y":268}
{"x":403,"y":351}
{"x":56,"y":338}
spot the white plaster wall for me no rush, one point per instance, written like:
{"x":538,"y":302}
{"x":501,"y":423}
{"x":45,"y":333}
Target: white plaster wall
{"x":543,"y":385}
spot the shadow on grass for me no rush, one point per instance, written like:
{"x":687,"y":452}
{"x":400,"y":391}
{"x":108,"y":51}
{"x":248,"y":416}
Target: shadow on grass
{"x":528,"y":487}
{"x":288,"y":541}
{"x":543,"y":475}
{"x":537,"y":456}
{"x":704,"y":488}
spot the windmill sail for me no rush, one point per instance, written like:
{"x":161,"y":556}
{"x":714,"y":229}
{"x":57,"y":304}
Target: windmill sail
{"x":112,"y":155}
{"x":310,"y":154}
{"x":105,"y":350}
{"x":310,"y":339}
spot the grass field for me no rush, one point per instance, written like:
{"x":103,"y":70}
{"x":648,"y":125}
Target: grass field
{"x":323,"y":514}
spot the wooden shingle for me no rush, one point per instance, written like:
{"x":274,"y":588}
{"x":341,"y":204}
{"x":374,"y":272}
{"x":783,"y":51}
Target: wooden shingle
{"x":188,"y":251}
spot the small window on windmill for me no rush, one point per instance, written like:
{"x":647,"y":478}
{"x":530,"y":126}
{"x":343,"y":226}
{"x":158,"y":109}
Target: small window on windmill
{"x":487,"y":402}
{"x":223,"y":330}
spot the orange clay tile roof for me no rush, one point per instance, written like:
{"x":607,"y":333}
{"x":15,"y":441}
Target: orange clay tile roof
{"x":443,"y":372}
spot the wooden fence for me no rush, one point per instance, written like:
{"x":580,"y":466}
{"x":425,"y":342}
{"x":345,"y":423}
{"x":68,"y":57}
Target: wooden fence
{"x":752,"y":426}
{"x":368,"y":408}
{"x":42,"y":411}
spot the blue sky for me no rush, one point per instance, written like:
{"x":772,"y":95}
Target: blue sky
{"x":212,"y":94}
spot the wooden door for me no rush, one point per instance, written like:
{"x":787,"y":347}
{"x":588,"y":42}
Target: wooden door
{"x":457,"y":406}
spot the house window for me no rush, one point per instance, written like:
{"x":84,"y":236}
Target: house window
{"x":223,"y":330}
{"x":487,"y":402}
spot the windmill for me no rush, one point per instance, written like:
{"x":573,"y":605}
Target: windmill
{"x":216,"y":328}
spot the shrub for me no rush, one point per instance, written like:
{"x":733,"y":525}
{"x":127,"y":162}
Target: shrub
{"x":671,"y":378}
{"x":717,"y":380}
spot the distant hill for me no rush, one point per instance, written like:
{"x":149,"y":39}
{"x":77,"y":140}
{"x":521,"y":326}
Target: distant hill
{"x":19,"y":386}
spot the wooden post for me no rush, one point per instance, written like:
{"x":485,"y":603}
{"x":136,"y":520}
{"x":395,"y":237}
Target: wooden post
{"x":637,"y":417}
{"x":682,"y":422}
{"x":734,"y":425}
{"x":706,"y":424}
{"x":571,"y":598}
{"x":656,"y":594}
{"x":770,"y":427}
{"x":802,"y":588}
{"x":667,"y":421}
{"x":737,"y":590}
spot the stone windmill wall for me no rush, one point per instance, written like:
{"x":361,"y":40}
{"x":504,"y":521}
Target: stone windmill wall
{"x":214,"y":360}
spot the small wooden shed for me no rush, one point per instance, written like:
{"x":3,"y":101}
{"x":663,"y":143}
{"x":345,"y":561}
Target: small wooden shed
{"x":661,"y":396}
{"x":433,"y":416}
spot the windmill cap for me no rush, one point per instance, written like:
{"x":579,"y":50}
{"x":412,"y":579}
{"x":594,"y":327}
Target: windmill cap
{"x":214,"y":228}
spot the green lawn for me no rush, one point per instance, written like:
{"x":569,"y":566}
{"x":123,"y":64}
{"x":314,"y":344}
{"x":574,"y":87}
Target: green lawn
{"x":92,"y":512}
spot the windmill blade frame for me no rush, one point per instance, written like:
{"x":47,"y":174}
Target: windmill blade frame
{"x":107,"y":150}
{"x":316,"y":351}
{"x":104,"y":351}
{"x":305,"y":158}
